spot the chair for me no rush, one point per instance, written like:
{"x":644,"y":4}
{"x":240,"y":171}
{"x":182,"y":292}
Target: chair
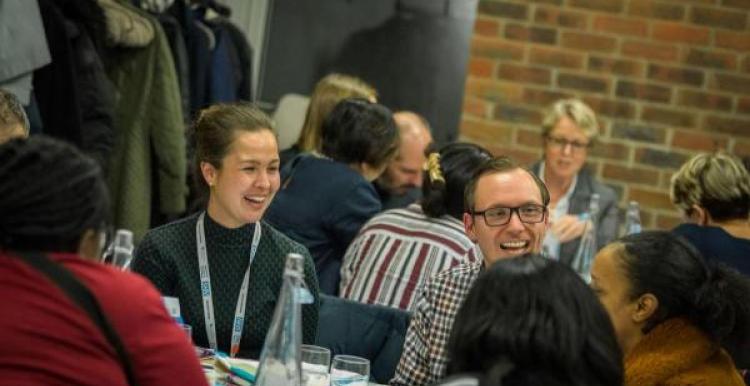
{"x":289,"y":117}
{"x":370,"y":331}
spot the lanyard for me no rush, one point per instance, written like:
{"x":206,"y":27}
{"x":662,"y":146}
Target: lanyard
{"x":208,"y":303}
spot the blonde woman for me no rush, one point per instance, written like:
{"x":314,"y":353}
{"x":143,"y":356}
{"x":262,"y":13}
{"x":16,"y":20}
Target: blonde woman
{"x":713,"y":193}
{"x":328,"y":92}
{"x":569,"y":129}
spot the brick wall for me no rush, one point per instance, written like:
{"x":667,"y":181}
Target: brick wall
{"x":667,"y":79}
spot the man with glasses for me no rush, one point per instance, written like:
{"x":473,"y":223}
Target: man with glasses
{"x":506,"y":215}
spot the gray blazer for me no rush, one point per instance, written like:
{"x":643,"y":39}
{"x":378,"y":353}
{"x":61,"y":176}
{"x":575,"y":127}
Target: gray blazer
{"x":579,"y":202}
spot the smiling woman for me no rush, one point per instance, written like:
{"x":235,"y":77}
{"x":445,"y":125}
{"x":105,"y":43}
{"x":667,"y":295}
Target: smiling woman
{"x":224,"y":264}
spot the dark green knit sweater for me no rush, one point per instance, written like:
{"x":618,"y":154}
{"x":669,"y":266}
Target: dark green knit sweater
{"x":168,"y":257}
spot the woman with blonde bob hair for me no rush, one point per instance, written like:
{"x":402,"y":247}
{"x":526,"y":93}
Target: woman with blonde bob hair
{"x":329,"y":91}
{"x":713,"y":193}
{"x":569,"y":129}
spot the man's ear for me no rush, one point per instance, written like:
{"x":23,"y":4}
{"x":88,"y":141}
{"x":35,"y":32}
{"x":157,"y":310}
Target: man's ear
{"x":469,"y":226}
{"x":645,"y":307}
{"x":699,"y":215}
{"x":209,"y":173}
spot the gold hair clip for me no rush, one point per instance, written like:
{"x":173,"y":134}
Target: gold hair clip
{"x":432,"y":167}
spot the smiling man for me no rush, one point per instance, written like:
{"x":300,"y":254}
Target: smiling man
{"x":506,"y":215}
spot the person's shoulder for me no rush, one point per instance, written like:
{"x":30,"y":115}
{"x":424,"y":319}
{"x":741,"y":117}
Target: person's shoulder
{"x":282,"y":241}
{"x":173,"y":229}
{"x":606,"y":193}
{"x":461,"y":275}
{"x":108,"y":282}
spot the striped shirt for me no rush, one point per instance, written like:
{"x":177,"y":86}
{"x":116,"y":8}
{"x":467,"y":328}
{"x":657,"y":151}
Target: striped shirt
{"x":396,"y":252}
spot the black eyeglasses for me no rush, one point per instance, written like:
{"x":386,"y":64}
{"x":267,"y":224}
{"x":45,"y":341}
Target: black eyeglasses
{"x":497,"y":216}
{"x":562,"y":143}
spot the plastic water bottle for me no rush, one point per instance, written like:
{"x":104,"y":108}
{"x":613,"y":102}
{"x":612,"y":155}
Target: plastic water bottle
{"x":633,"y":218}
{"x":122,"y":250}
{"x":280,"y":357}
{"x":587,"y":248}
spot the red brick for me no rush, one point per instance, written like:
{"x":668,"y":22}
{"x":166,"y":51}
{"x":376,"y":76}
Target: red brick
{"x":727,"y":125}
{"x":675,"y":118}
{"x":718,"y":18}
{"x":523,"y":74}
{"x":561,"y":18}
{"x":698,"y":141}
{"x":610,"y":150}
{"x":741,"y":148}
{"x":614,"y":6}
{"x":744,"y":4}
{"x":610,"y":65}
{"x":680,"y":33}
{"x":659,"y":158}
{"x":743,"y":105}
{"x":529,"y":138}
{"x":487,"y":27}
{"x":631,"y":175}
{"x":588,"y":42}
{"x":481,"y":67}
{"x":582,"y":83}
{"x":656,"y":9}
{"x":555,"y":58}
{"x":649,"y":92}
{"x":496,"y":49}
{"x":711,"y":59}
{"x":650,"y":50}
{"x":739,"y":41}
{"x":517,"y":114}
{"x":485,"y":131}
{"x":476,"y":107}
{"x":704,"y":100}
{"x":650,"y":198}
{"x":521,"y":156}
{"x":544,"y":98}
{"x":620,"y":26}
{"x":667,"y":221}
{"x":492,"y":90}
{"x":531,"y":34}
{"x":675,"y":75}
{"x":641,"y":133}
{"x":611,"y":108}
{"x":738,"y":84}
{"x":503,"y":9}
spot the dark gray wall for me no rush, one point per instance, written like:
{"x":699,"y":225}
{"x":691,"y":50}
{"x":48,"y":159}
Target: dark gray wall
{"x":413,"y":51}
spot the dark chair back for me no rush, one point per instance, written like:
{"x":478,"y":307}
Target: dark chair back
{"x":369,"y":331}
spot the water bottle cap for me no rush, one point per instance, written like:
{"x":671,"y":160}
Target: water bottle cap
{"x":124,"y":238}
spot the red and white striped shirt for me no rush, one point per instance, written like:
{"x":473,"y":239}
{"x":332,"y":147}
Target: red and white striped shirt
{"x":396,"y":252}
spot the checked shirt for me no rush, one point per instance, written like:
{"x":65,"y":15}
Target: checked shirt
{"x":424,"y":359}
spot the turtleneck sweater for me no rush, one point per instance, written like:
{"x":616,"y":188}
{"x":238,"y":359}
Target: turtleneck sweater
{"x":168,"y":257}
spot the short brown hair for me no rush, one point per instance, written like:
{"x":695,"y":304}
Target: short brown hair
{"x":501,"y":164}
{"x":214,"y":131}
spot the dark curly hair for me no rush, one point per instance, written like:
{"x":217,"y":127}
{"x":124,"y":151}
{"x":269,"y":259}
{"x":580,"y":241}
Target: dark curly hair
{"x":458,"y":161}
{"x":713,"y":297}
{"x":532,"y":321}
{"x":50,"y":194}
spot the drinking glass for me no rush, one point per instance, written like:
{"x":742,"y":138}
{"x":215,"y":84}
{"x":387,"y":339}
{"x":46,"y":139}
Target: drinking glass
{"x":350,"y":370}
{"x":315,"y":362}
